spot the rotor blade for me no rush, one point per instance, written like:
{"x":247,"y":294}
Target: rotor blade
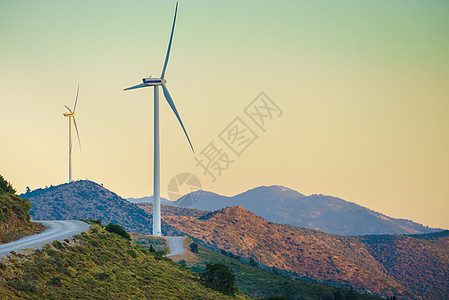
{"x":173,"y":107}
{"x":76,"y":100}
{"x":169,"y":44}
{"x":137,"y":86}
{"x":68,"y":109}
{"x":77,"y":134}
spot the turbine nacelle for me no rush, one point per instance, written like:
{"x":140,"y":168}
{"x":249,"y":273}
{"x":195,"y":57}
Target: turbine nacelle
{"x":71,"y":116}
{"x":154,"y":81}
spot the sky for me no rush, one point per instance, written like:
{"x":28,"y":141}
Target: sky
{"x":353,"y":96}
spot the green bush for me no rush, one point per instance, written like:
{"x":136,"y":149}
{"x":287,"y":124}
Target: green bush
{"x":117,"y":229}
{"x":158,"y":255}
{"x":194,"y":247}
{"x":219,"y":277}
{"x":132,"y":253}
{"x":58,"y":245}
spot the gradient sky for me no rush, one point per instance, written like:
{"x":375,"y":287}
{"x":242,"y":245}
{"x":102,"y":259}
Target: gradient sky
{"x":363,"y":86}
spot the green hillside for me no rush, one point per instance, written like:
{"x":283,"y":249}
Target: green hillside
{"x":14,"y":215}
{"x":98,"y":265}
{"x":250,"y":279}
{"x":258,"y":283}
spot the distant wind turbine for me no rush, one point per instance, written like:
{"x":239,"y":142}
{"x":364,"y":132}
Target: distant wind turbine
{"x":71,"y":115}
{"x":156,"y":82}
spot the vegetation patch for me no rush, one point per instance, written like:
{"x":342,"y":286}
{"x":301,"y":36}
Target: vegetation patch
{"x":14,"y":215}
{"x":152,"y":243}
{"x":115,"y":268}
{"x":265,"y":284}
{"x":117,"y":229}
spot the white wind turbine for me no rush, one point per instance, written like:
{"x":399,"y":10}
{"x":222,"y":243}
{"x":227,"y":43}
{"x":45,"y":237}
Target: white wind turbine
{"x":71,"y":115}
{"x":156,"y":82}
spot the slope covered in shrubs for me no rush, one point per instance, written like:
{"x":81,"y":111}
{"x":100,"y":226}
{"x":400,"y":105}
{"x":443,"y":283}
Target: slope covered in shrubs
{"x":98,"y":265}
{"x":14,"y":215}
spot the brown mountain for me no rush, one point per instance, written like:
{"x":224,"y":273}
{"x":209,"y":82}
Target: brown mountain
{"x":329,"y":214}
{"x":418,"y":262}
{"x":384,"y":265}
{"x":168,"y":210}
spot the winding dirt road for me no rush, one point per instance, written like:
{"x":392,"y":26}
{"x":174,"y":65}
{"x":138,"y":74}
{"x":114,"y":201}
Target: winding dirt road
{"x":175,"y":245}
{"x":57,"y":230}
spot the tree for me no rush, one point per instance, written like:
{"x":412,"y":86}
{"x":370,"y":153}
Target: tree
{"x":219,"y":277}
{"x":158,"y":255}
{"x":6,"y":187}
{"x":117,"y":229}
{"x":253,"y":263}
{"x":194,"y":247}
{"x":350,"y":295}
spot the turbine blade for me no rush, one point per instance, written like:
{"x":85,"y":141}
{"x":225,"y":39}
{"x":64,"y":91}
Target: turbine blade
{"x":68,"y":109}
{"x":173,"y":107}
{"x":77,"y":134}
{"x":76,"y":100}
{"x":169,"y":44}
{"x":136,"y":86}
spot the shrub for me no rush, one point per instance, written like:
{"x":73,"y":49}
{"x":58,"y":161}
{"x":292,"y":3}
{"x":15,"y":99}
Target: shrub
{"x":194,"y":247}
{"x":58,"y":245}
{"x":117,"y":229}
{"x":131,"y":253}
{"x":101,"y":276}
{"x":158,"y":255}
{"x":253,"y":263}
{"x":22,"y":285}
{"x":219,"y":277}
{"x":56,"y":280}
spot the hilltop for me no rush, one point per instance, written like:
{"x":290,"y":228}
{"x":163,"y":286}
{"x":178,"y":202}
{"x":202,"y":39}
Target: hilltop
{"x":404,"y":266}
{"x":319,"y":212}
{"x":85,"y":199}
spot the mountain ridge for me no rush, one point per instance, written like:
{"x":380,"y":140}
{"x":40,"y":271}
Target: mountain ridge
{"x":325,"y":213}
{"x":387,"y":265}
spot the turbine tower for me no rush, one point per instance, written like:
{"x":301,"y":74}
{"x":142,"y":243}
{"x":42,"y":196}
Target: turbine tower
{"x":71,"y":115}
{"x":156,"y":82}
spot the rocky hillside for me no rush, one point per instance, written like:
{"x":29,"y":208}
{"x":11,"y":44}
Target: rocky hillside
{"x":320,"y":212}
{"x":363,"y":262}
{"x":85,"y":199}
{"x":418,"y":262}
{"x":14,"y":215}
{"x":168,"y":210}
